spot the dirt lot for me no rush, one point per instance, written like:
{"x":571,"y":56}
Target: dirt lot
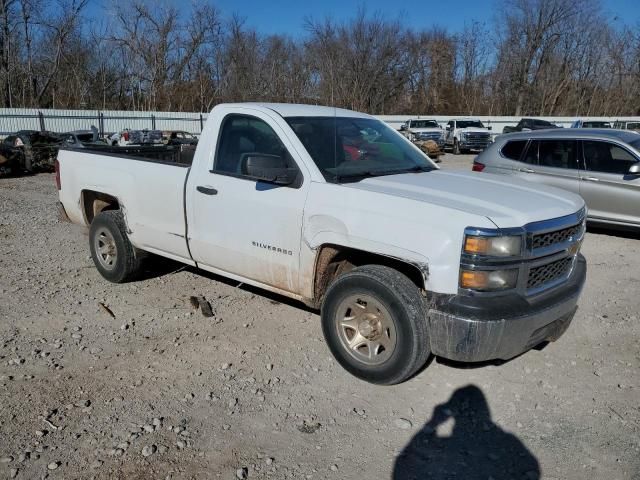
{"x":159,"y":391}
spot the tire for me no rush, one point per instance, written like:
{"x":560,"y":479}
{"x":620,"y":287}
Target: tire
{"x":456,"y":147}
{"x":393,"y":345}
{"x":113,"y":255}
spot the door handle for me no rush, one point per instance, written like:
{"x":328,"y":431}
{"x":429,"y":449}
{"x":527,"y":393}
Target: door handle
{"x":527,"y":170}
{"x":590,"y":179}
{"x":207,"y":190}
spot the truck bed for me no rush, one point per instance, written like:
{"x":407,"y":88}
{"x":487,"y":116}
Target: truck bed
{"x":151,"y":179}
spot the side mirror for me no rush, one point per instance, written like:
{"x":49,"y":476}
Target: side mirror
{"x":489,"y":127}
{"x":448,"y":127}
{"x":634,"y":169}
{"x":268,"y":168}
{"x":403,"y":127}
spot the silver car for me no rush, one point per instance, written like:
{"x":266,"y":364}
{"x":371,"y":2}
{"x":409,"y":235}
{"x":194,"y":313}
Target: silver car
{"x":603,"y":166}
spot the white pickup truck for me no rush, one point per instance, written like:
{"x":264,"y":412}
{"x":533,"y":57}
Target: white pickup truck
{"x":338,"y":210}
{"x":465,"y":134}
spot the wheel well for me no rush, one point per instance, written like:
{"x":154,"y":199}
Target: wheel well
{"x":334,"y":260}
{"x":95,"y":202}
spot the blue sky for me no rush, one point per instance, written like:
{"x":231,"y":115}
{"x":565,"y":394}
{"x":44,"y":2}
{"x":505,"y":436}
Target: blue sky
{"x":287,"y":16}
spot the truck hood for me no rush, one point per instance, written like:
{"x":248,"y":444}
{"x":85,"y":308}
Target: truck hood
{"x":506,"y":201}
{"x":426,"y":130}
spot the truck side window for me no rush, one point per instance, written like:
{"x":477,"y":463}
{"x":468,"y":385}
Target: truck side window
{"x":606,"y":157}
{"x":513,"y":149}
{"x":558,"y":154}
{"x":243,"y":134}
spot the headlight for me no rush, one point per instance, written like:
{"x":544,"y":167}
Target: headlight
{"x":488,"y":280}
{"x":501,"y":246}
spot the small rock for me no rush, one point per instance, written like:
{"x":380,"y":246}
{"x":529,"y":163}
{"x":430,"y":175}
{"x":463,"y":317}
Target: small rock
{"x":334,"y":468}
{"x":13,"y":473}
{"x":225,"y":366}
{"x":76,"y":336}
{"x":148,"y":428}
{"x":269,"y":461}
{"x":180,"y":444}
{"x":96,"y":464}
{"x":149,"y":450}
{"x":7,"y":459}
{"x":403,"y":423}
{"x":162,"y":449}
{"x":53,"y":465}
{"x":156,"y":422}
{"x":242,"y":473}
{"x":269,"y":366}
{"x":39,"y":433}
{"x":232,"y":403}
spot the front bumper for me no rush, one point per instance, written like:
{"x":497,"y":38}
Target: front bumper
{"x":471,"y":331}
{"x":474,"y":144}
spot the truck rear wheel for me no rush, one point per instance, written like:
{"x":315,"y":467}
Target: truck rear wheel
{"x":113,"y":255}
{"x":374,"y":321}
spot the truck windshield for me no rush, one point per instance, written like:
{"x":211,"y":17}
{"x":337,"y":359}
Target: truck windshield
{"x":424,"y":124}
{"x":469,"y":124}
{"x":350,"y":149}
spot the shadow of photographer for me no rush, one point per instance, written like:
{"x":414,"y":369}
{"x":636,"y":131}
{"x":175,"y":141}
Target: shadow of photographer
{"x":476,"y":448}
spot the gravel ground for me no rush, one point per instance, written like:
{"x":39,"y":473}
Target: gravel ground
{"x":155,"y":390}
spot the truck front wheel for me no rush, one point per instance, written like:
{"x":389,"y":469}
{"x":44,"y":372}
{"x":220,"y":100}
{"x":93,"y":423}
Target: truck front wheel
{"x":113,"y":255}
{"x":374,"y":321}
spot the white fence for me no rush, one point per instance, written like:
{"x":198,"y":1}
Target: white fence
{"x":107,"y":121}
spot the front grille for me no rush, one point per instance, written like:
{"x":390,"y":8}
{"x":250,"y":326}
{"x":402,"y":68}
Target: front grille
{"x":539,"y":276}
{"x":428,"y":136}
{"x":551,"y":238}
{"x":477,"y":136}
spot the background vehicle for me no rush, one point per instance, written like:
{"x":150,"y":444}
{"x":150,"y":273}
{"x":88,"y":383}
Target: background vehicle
{"x":590,"y":124}
{"x":338,"y":210}
{"x":30,"y":151}
{"x":423,"y":129}
{"x":136,"y":137}
{"x":527,"y":124}
{"x":603,"y":166}
{"x":178,"y":137}
{"x":627,"y":125}
{"x":464,"y":134}
{"x":81,"y":139}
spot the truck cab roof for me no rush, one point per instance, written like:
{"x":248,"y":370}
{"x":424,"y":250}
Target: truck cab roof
{"x":299,"y":110}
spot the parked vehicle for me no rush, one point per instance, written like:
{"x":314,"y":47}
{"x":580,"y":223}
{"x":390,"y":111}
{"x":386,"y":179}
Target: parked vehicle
{"x":136,"y":137}
{"x":82,"y":139}
{"x":29,"y":151}
{"x":603,"y":166}
{"x":627,"y":125}
{"x":178,"y":137}
{"x":338,"y":210}
{"x":528,"y":124}
{"x":423,"y":130}
{"x":465,"y":134}
{"x":590,"y":124}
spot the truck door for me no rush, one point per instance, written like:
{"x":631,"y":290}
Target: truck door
{"x":240,"y":226}
{"x":451,"y":126}
{"x":608,"y":190}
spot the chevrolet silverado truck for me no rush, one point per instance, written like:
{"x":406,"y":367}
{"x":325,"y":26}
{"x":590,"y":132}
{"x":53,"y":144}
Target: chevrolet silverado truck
{"x":338,"y":210}
{"x":465,"y":134}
